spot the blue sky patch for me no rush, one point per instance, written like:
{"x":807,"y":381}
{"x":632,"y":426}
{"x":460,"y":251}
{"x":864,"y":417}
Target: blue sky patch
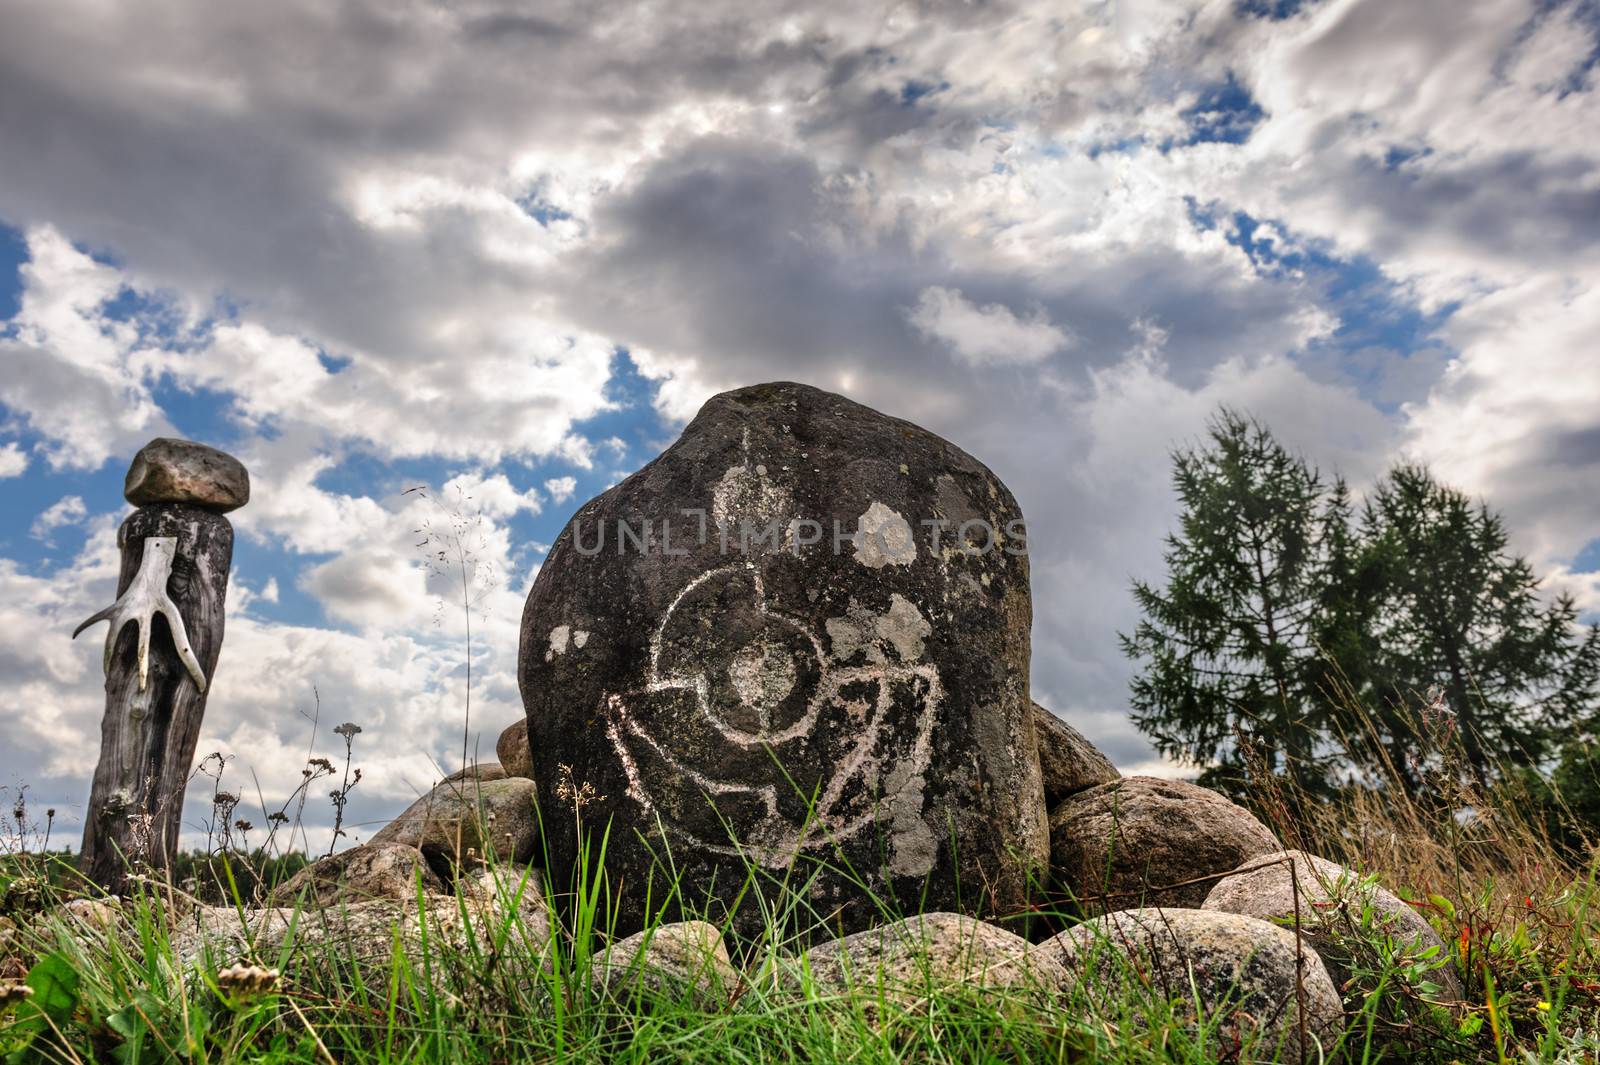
{"x":1224,"y":112}
{"x":13,"y":253}
{"x":1275,"y":10}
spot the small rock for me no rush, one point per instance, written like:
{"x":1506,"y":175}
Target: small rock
{"x":485,"y":817}
{"x":1244,"y":967}
{"x":361,"y":874}
{"x":492,"y":907}
{"x":223,"y":934}
{"x":1068,"y":761}
{"x":99,"y":914}
{"x":182,"y":471}
{"x":1113,"y":845}
{"x":1338,"y":907}
{"x":483,"y":772}
{"x":931,"y":952}
{"x":512,"y":749}
{"x":688,"y":958}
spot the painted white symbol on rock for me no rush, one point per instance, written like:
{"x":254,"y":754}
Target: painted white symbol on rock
{"x":747,"y":707}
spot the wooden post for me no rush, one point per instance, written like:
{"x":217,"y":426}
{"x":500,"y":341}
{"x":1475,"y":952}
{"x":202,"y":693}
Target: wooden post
{"x":162,"y":650}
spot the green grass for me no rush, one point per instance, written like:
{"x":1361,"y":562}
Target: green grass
{"x":496,"y":996}
{"x":1514,"y":900}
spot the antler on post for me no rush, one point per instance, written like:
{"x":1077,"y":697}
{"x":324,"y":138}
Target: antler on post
{"x":145,"y":598}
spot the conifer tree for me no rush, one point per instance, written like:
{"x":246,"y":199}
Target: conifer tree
{"x":1452,"y":608}
{"x":1229,"y":646}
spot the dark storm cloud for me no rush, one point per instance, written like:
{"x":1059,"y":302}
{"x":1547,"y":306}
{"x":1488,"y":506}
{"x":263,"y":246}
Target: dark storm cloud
{"x":1555,"y":214}
{"x":748,"y":255}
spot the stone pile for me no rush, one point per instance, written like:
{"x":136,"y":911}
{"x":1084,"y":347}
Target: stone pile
{"x":799,"y":639}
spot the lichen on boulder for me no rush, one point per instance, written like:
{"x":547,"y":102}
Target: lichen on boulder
{"x":687,"y":959}
{"x":468,"y":820}
{"x":393,"y":871}
{"x":168,"y":470}
{"x":1068,"y":762}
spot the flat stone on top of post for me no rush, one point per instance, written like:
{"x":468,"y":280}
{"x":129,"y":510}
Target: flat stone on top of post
{"x":181,"y":471}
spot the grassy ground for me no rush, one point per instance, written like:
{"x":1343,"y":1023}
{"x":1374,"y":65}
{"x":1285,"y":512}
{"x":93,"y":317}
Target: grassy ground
{"x":1517,"y":910}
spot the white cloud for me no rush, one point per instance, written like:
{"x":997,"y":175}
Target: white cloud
{"x":466,"y":407}
{"x":988,"y":335}
{"x":372,"y":589}
{"x":68,"y":368}
{"x":492,"y":496}
{"x":1514,"y":418}
{"x":561,"y":489}
{"x":13,"y":460}
{"x":81,"y":377}
{"x":68,"y":510}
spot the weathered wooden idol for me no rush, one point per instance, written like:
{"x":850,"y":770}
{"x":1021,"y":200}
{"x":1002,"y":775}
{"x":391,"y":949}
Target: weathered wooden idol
{"x":161,"y":651}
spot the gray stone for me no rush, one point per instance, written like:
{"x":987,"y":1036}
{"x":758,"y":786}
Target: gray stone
{"x":1243,"y":968}
{"x":182,"y":471}
{"x":1338,"y":907}
{"x":483,"y":772}
{"x":104,"y":915}
{"x":696,"y":699}
{"x":462,"y":820}
{"x":221,"y":935}
{"x":930,"y":953}
{"x":1115,"y":845}
{"x":493,"y":909}
{"x":1068,"y":762}
{"x":361,"y":874}
{"x":512,"y":749}
{"x":687,"y":959}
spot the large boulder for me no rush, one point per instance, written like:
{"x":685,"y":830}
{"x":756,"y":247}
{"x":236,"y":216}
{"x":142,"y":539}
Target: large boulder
{"x":512,"y":750}
{"x":1342,"y":914}
{"x":1144,"y":840}
{"x":774,"y":646}
{"x":929,"y":953}
{"x":1198,"y":966}
{"x":462,"y":820}
{"x":1068,"y":762}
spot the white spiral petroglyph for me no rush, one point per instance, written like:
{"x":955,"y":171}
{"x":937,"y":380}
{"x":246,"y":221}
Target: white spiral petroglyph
{"x":760,"y":675}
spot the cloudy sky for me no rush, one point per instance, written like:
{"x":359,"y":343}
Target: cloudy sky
{"x":507,"y":251}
